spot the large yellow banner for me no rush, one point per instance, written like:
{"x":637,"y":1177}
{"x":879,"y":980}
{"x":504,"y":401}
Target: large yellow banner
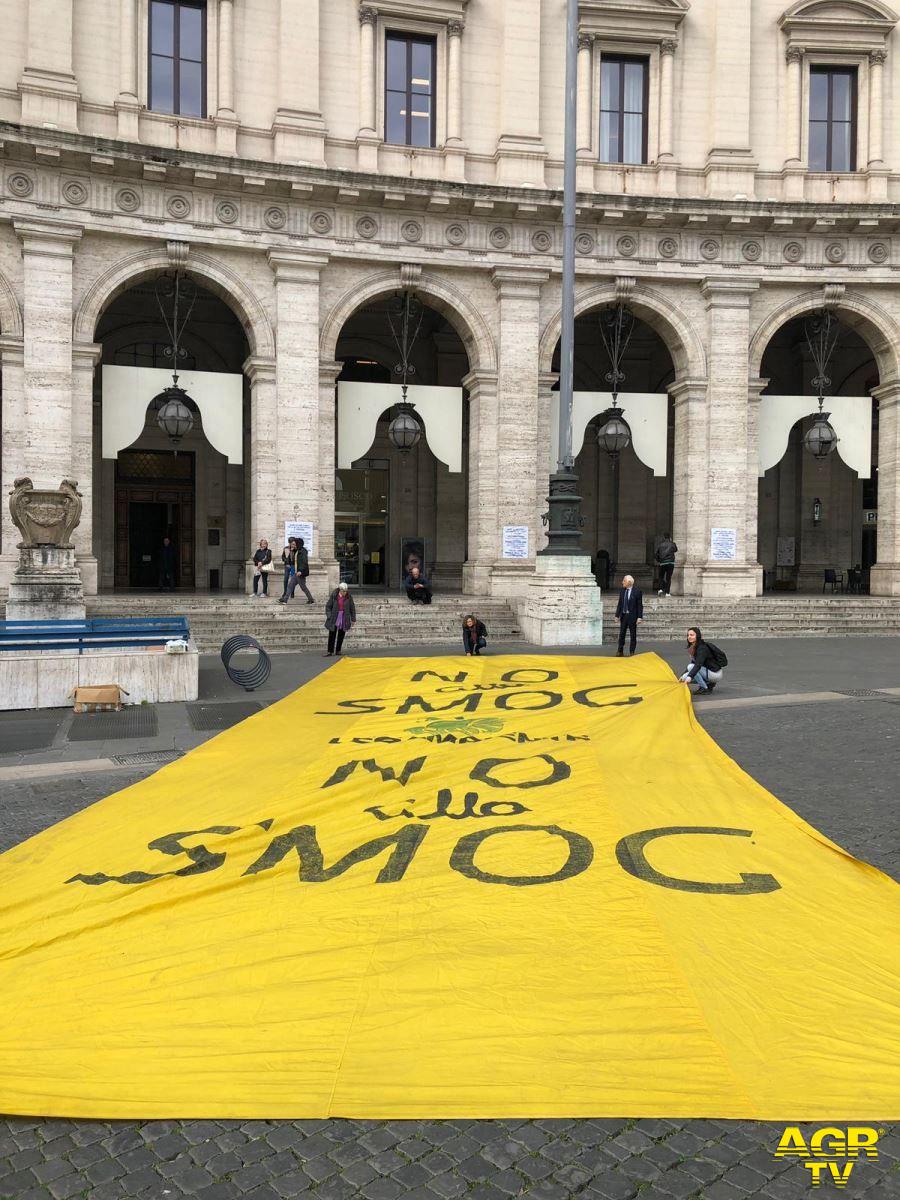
{"x":513,"y":886}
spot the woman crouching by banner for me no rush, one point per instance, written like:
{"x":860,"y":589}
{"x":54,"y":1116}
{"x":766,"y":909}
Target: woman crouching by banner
{"x":707,"y":662}
{"x":474,"y":635}
{"x":340,"y":615}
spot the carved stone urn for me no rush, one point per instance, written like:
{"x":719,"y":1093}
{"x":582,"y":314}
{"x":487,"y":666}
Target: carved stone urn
{"x":45,"y":518}
{"x":46,"y":585}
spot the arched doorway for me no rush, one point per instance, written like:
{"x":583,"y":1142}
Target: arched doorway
{"x":392,"y":503}
{"x":627,"y":499}
{"x":149,"y":486}
{"x":818,"y":515}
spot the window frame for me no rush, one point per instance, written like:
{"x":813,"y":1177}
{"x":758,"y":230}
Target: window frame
{"x":203,"y":7}
{"x":830,"y":70}
{"x":621,"y":59}
{"x":392,"y":33}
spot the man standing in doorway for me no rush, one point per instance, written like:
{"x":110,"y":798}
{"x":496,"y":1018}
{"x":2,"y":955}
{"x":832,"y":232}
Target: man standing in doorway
{"x":167,"y":566}
{"x":629,"y":611}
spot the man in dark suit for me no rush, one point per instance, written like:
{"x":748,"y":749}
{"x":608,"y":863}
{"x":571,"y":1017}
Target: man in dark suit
{"x":629,"y":611}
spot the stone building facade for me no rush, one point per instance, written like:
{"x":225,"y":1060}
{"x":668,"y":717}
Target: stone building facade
{"x":297,"y":192}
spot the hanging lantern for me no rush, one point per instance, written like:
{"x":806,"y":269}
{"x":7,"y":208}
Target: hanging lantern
{"x":405,"y":431}
{"x":614,"y":435}
{"x":174,"y":416}
{"x":821,"y":438}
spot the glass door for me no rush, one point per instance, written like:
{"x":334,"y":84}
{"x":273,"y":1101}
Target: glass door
{"x":360,"y":526}
{"x":346,"y":548}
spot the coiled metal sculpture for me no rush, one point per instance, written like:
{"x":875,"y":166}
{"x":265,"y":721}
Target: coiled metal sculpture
{"x":249,"y":678}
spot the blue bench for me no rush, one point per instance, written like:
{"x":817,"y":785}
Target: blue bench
{"x":95,"y":633}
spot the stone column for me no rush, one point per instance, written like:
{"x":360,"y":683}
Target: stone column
{"x":793,"y":171}
{"x":545,"y":467}
{"x":730,"y":167}
{"x":328,"y":373}
{"x":876,"y":108}
{"x":689,"y":479}
{"x":226,"y":119}
{"x":263,"y":464}
{"x":482,"y":540}
{"x":298,"y":128}
{"x":885,"y":580}
{"x":454,"y":152}
{"x":583,"y":134}
{"x":668,"y":178}
{"x":726,"y":453}
{"x":299,"y":479}
{"x":754,"y":391}
{"x":367,"y":140}
{"x":48,"y":86}
{"x":519,"y":294}
{"x":12,"y":449}
{"x":127,"y":104}
{"x":85,"y":357}
{"x":520,"y":149}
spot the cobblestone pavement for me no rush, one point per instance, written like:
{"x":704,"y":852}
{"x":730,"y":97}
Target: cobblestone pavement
{"x":836,"y":764}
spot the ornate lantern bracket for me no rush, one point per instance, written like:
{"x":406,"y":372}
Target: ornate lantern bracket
{"x":822,"y":331}
{"x":174,"y":417}
{"x":405,"y":319}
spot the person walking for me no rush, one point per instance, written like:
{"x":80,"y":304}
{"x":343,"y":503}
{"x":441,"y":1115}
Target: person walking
{"x":340,"y":616}
{"x":287,"y":559}
{"x":417,"y":586}
{"x":706,"y":665}
{"x":262,"y":559}
{"x":474,"y":635}
{"x":629,"y":610}
{"x":665,"y":558}
{"x":300,"y":563}
{"x":167,"y":566}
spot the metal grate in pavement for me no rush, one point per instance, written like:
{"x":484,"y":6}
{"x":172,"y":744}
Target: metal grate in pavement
{"x":861,"y":692}
{"x":136,"y":720}
{"x":142,"y":757}
{"x":20,"y":731}
{"x":208,"y":718}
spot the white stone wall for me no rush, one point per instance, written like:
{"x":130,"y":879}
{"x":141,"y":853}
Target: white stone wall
{"x":286,"y":203}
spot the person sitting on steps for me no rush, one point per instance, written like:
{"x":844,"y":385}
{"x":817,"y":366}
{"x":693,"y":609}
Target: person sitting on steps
{"x":417,"y":587}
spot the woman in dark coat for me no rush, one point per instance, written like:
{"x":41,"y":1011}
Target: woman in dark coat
{"x":474,"y":635}
{"x":340,"y":615}
{"x":262,"y":558}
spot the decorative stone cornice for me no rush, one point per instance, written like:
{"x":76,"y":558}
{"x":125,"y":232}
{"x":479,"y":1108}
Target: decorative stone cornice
{"x":259,"y":369}
{"x":439,"y":11}
{"x":852,"y":26}
{"x":637,"y":20}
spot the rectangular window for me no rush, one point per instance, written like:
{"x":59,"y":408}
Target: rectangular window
{"x":177,"y":82}
{"x":409,"y":70}
{"x":623,"y":109}
{"x":832,"y":119}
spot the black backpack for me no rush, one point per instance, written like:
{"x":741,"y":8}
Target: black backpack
{"x":719,"y":657}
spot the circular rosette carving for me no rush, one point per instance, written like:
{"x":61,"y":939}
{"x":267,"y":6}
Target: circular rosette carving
{"x":835,"y":252}
{"x":74,"y":191}
{"x":178,"y":207}
{"x":499,"y":238}
{"x":710,"y":249}
{"x":227,"y":212}
{"x":584,"y":244}
{"x":275,"y":217}
{"x":411,"y":231}
{"x":456,"y":234}
{"x":541,"y":240}
{"x":367,"y":227}
{"x":627,"y":245}
{"x":793,"y":252}
{"x":752,"y":251}
{"x":321,"y":222}
{"x":20,"y":184}
{"x":878,"y":252}
{"x":668,"y":247}
{"x":128,"y":199}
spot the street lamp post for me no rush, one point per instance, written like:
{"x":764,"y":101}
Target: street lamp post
{"x":563,"y":518}
{"x":614,"y":436}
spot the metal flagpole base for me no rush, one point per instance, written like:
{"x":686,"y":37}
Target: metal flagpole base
{"x":564,"y":515}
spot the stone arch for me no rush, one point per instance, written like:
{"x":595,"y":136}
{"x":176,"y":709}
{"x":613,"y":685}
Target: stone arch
{"x":654,"y":308}
{"x":11,"y":324}
{"x":444,"y":297}
{"x":220,"y":279}
{"x":870,"y":320}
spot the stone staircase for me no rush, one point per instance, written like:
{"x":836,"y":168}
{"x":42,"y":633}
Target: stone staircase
{"x":667,"y":619}
{"x":390,"y":620}
{"x":382,"y":620}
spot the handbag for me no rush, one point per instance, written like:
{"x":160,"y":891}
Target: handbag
{"x":268,"y":567}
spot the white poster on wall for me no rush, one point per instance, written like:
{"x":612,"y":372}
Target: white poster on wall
{"x":299,"y":529}
{"x":515,"y":541}
{"x":785,"y":551}
{"x":723,"y":545}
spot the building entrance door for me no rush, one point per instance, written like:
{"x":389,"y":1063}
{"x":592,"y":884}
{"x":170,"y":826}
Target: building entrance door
{"x":360,"y":527}
{"x":154,"y":499}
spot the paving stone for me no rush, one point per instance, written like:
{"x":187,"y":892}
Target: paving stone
{"x":133,"y":1185}
{"x":662,"y":1155}
{"x":639,"y":1168}
{"x":254,"y":1151}
{"x":104,"y":1171}
{"x":123,"y":1141}
{"x":135,"y":1160}
{"x":65,"y":1186}
{"x":334,"y":1189}
{"x":412,"y":1175}
{"x":27,"y":1158}
{"x":722,"y":1191}
{"x":702,"y":1170}
{"x":614,"y":1187}
{"x":215,"y":1191}
{"x":264,"y":1192}
{"x":676,"y":1183}
{"x":534,"y":1168}
{"x":82,"y":1156}
{"x":448,"y":1186}
{"x":476,"y":1167}
{"x":379,"y":1139}
{"x":320,"y":1169}
{"x":383,"y":1189}
{"x":295,"y":1183}
{"x":437,"y":1163}
{"x":169,"y":1146}
{"x":223,"y":1164}
{"x":283,"y":1136}
{"x":19,"y":1182}
{"x":508,"y":1182}
{"x":413,"y":1148}
{"x":743,"y":1178}
{"x":501,"y":1154}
